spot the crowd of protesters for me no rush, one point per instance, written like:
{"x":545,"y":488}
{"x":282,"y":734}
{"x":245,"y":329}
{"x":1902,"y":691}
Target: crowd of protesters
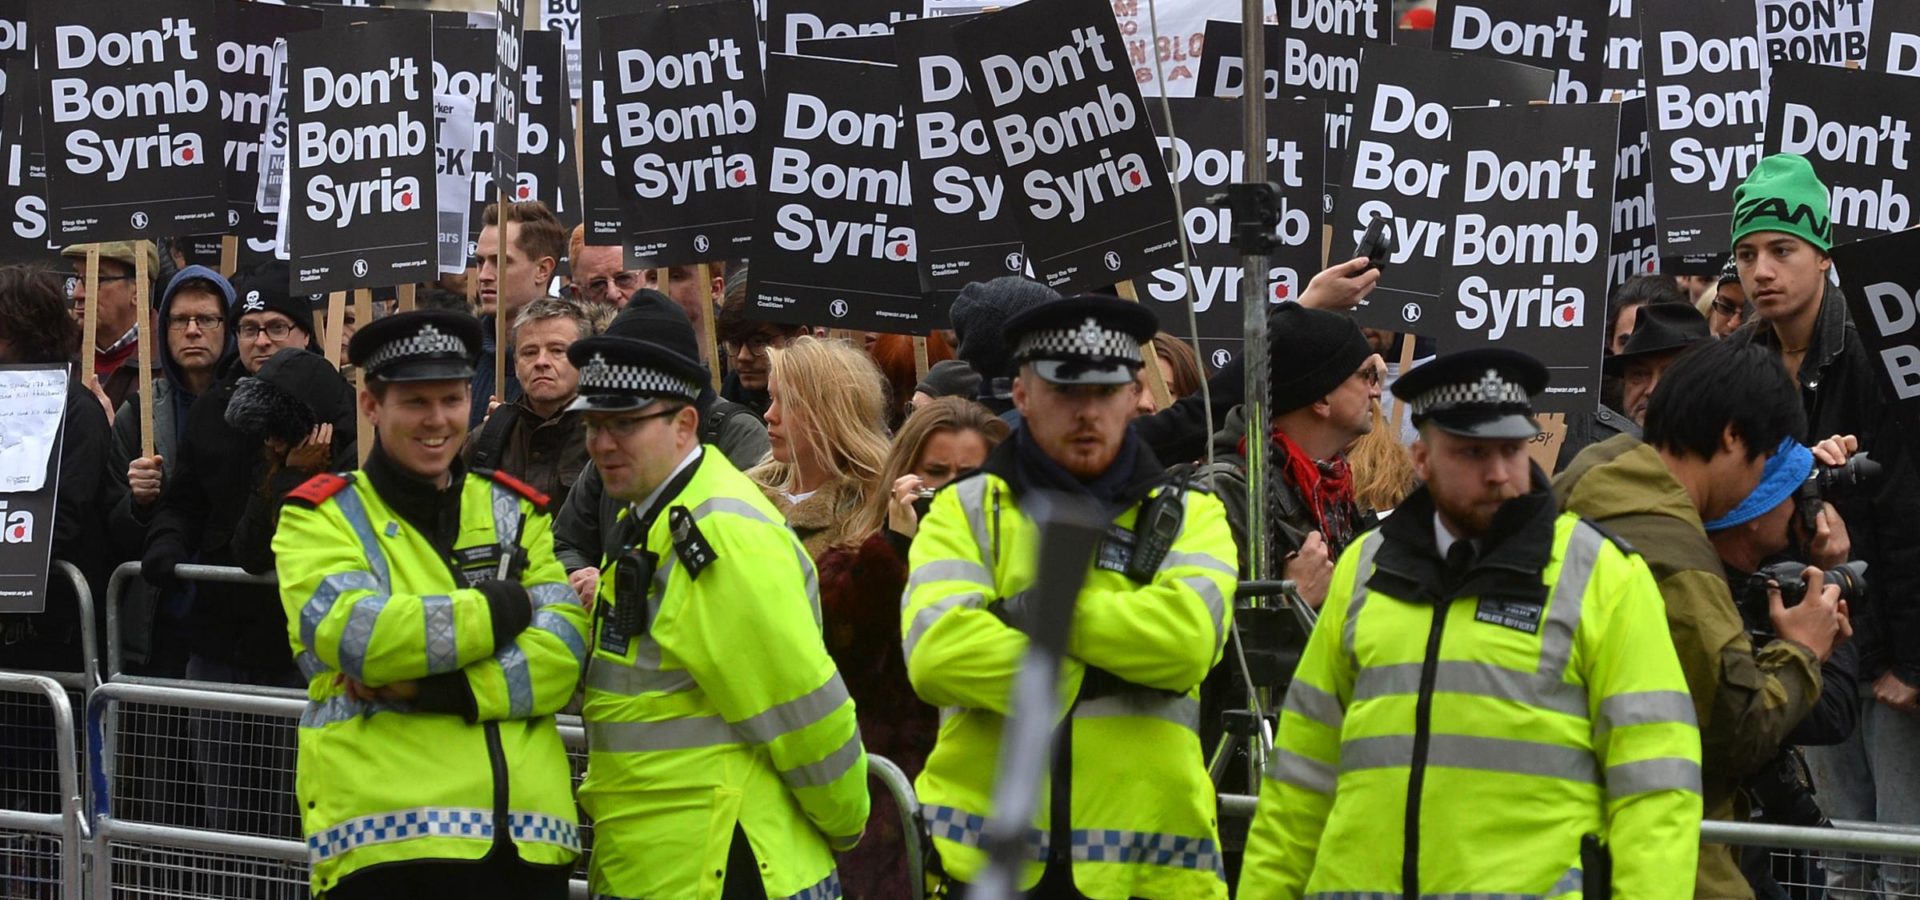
{"x":848,"y":434}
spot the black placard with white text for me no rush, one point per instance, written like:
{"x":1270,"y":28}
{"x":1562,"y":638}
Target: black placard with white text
{"x":684,"y":93}
{"x":130,"y":94}
{"x":15,"y":37}
{"x":1824,"y":32}
{"x":1636,"y":233}
{"x":792,"y":21}
{"x":1625,"y":78}
{"x":1206,"y":155}
{"x":601,"y":208}
{"x":506,"y":91}
{"x":1893,"y":41}
{"x":1568,"y":36}
{"x":1705,"y":114}
{"x":1881,"y":278}
{"x":25,"y":238}
{"x":834,"y":242}
{"x":362,"y":207}
{"x":1857,"y":129}
{"x":962,"y":213}
{"x":463,"y":66}
{"x":247,"y":32}
{"x":1051,"y":80}
{"x":35,"y":401}
{"x":1397,"y":165}
{"x":1527,"y":250}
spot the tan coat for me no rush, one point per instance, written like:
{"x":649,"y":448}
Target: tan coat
{"x":825,"y":519}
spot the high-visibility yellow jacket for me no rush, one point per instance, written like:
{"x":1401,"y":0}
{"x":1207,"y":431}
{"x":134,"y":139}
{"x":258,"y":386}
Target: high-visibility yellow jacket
{"x":724,"y":711}
{"x":1459,"y":735}
{"x":370,"y":597}
{"x":1141,"y":818}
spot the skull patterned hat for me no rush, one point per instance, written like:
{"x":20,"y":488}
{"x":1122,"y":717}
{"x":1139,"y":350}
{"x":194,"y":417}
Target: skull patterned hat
{"x":1088,"y":339}
{"x":624,"y":374}
{"x":1484,"y":393}
{"x":422,"y":345}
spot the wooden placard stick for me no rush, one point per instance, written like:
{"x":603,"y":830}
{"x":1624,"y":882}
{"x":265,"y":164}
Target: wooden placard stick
{"x":229,"y":254}
{"x":709,"y":326}
{"x":1545,"y":446}
{"x":363,"y":430}
{"x":920,"y":365}
{"x":406,"y":294}
{"x":90,"y":314}
{"x":662,"y":277}
{"x":142,"y":301}
{"x":1406,"y":362}
{"x":1156,"y":379}
{"x":336,"y":327}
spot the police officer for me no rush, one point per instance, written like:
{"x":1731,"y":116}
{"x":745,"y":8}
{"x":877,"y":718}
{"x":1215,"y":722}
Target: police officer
{"x":1489,"y":704}
{"x":438,"y":637}
{"x":1131,"y":811}
{"x":724,"y":760}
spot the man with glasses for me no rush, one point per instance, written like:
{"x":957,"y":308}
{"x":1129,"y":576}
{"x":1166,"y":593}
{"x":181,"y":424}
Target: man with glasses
{"x":195,"y":341}
{"x":746,"y":344}
{"x":1728,"y":311}
{"x":117,"y":336}
{"x":1325,"y":379}
{"x":600,"y":274}
{"x":724,"y":760}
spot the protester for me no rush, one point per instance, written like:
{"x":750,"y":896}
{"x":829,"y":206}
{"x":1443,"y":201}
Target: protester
{"x":1728,"y":309}
{"x":300,"y":411}
{"x":941,"y":440}
{"x":1325,"y":379}
{"x":827,"y":429}
{"x":978,"y":313}
{"x":599,"y":272}
{"x":1662,"y":331}
{"x":116,"y":352}
{"x":1379,"y":785}
{"x":947,"y":378}
{"x":535,"y":240}
{"x":1781,"y":234}
{"x":197,"y":342}
{"x":1131,"y":811}
{"x":1179,"y":365}
{"x":437,"y":638}
{"x":724,"y":760}
{"x":585,"y":532}
{"x":894,"y":354}
{"x":747,"y":343}
{"x":699,"y":299}
{"x":536,"y":438}
{"x":1382,"y":467}
{"x":1711,"y":425}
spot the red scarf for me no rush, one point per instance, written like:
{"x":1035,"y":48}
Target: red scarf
{"x":1326,"y":488}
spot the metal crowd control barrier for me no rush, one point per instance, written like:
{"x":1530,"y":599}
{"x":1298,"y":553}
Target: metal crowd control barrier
{"x":42,"y":828}
{"x":128,"y":576}
{"x":89,"y":674}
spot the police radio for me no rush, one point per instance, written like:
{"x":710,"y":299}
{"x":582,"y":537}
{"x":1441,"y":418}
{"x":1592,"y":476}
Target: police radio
{"x":632,"y":579}
{"x":1154,"y":532}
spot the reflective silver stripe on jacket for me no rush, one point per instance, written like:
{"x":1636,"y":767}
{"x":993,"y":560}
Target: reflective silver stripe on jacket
{"x":1569,"y":594}
{"x":827,"y":769}
{"x":356,"y":639}
{"x":1288,"y":767}
{"x":550,"y":592}
{"x":1310,"y":702}
{"x":973,"y":501}
{"x":1362,"y":570}
{"x":513,"y":665}
{"x":1644,"y":708}
{"x":506,"y":516}
{"x":1475,"y":678}
{"x":936,"y":571}
{"x":643,"y":677}
{"x":1670,"y":773}
{"x":688,"y":733}
{"x":1459,"y":751}
{"x":1179,"y":709}
{"x":342,"y":708}
{"x":563,"y":628}
{"x":321,"y":603}
{"x":796,"y":714}
{"x":443,"y":649}
{"x":355,"y":512}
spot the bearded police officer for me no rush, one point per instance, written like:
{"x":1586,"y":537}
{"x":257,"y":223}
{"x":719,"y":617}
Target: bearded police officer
{"x":1131,"y":812}
{"x":724,"y":760}
{"x":438,"y":637}
{"x":1489,"y":704}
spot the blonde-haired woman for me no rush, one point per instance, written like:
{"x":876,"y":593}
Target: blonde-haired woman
{"x":826,"y":428}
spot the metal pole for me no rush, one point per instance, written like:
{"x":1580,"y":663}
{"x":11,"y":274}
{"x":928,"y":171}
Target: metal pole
{"x":1253,"y":290}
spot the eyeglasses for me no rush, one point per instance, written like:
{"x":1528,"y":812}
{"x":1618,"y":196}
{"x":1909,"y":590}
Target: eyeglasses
{"x":74,"y":282}
{"x":756,"y":345}
{"x":275,"y":330}
{"x":1724,"y":308}
{"x":182,"y":323}
{"x":1370,"y":374}
{"x":627,"y":426}
{"x":627,"y":282}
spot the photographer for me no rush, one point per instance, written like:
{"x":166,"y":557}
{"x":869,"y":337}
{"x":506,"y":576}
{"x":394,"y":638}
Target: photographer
{"x":1719,"y":412}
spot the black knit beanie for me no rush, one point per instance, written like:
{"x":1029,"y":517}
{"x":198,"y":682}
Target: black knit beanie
{"x":1310,"y":352}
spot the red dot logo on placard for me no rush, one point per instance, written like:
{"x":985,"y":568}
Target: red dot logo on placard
{"x":739,"y":176}
{"x":406,"y":200}
{"x":525,"y":192}
{"x":900,"y":250}
{"x":1567,"y":313}
{"x":17,"y":533}
{"x":1649,"y":265}
{"x":1134,"y":177}
{"x":186,"y":154}
{"x":1280,"y":291}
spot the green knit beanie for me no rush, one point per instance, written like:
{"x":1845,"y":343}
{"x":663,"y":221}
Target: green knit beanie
{"x":1783,"y":194}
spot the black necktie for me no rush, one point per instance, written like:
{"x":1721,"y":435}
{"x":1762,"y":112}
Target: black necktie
{"x":1460,"y":557}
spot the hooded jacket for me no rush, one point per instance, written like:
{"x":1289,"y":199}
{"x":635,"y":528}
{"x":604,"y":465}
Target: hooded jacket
{"x":1746,"y":701}
{"x":1843,"y":392}
{"x":295,"y":391}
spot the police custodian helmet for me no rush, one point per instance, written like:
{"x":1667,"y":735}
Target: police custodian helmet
{"x":624,"y":374}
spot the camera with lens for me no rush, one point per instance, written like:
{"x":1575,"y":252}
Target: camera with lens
{"x":1825,"y":483}
{"x":1757,"y":613}
{"x":1782,"y":791}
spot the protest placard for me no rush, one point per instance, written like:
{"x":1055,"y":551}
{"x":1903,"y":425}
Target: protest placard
{"x":834,"y":242}
{"x":506,"y":92}
{"x":1527,"y":247}
{"x":1824,"y":32}
{"x":1893,"y":40}
{"x":247,"y":35}
{"x":1397,"y":165}
{"x":1705,"y":113}
{"x":791,"y":21}
{"x":15,"y":40}
{"x":129,"y":94}
{"x":33,"y":402}
{"x":1568,"y":37}
{"x":684,"y":94}
{"x":362,"y":211}
{"x":23,"y":189}
{"x":456,"y":153}
{"x":1625,"y":78}
{"x":1857,"y":129}
{"x":1636,"y":234}
{"x":1881,"y":278}
{"x":1204,"y":154}
{"x":1071,"y":134}
{"x":563,"y":18}
{"x":962,"y":214}
{"x":602,"y":210}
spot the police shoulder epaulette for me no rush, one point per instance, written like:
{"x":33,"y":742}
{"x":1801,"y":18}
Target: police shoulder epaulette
{"x":519,"y":487}
{"x":320,"y":488}
{"x":1611,"y":537}
{"x":688,"y":543}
